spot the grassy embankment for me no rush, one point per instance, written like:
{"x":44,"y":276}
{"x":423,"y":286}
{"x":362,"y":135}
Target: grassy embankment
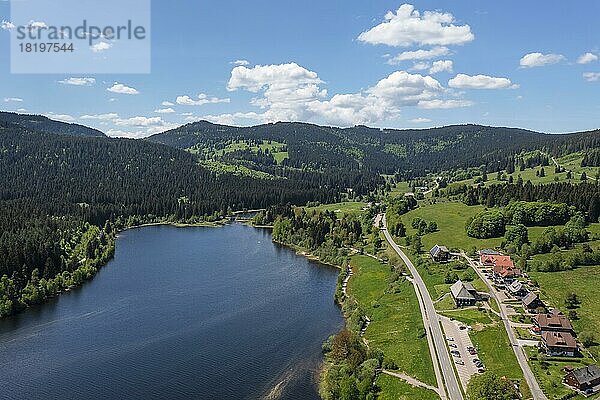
{"x":396,"y":324}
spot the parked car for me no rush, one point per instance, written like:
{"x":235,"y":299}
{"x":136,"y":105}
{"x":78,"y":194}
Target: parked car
{"x":460,"y":362}
{"x":450,"y":339}
{"x":481,"y":370}
{"x":453,"y":345}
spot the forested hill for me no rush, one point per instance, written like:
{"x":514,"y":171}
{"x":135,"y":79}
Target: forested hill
{"x":412,"y":152}
{"x":39,"y":123}
{"x":62,"y":196}
{"x":104,"y":177}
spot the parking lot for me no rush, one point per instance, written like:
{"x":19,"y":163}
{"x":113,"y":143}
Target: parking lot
{"x":460,"y":338}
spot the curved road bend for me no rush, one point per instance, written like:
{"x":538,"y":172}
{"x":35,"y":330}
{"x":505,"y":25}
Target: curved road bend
{"x":432,"y":322}
{"x":536,"y":391}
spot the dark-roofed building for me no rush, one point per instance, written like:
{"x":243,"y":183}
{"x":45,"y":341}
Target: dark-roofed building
{"x":532,"y":303}
{"x":517,"y":289}
{"x":586,"y":379}
{"x":559,"y":344}
{"x":463,"y":294}
{"x":554,"y":321}
{"x":440,"y":253}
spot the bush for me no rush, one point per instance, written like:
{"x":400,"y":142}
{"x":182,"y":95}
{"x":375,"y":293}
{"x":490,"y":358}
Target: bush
{"x":487,"y":224}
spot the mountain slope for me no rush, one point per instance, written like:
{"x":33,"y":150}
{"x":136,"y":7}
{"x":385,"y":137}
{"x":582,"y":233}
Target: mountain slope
{"x":39,"y":123}
{"x":410,"y":152}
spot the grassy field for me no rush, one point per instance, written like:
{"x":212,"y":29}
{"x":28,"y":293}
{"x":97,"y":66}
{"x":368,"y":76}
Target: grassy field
{"x":400,"y":189}
{"x":275,"y":148}
{"x":240,"y":170}
{"x":395,"y":389}
{"x":347,"y":207}
{"x":584,"y":282}
{"x":451,"y":218}
{"x":396,"y":324}
{"x":469,"y":316}
{"x":571,"y":162}
{"x":495,"y":352}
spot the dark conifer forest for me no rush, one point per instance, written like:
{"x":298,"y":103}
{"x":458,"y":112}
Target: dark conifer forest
{"x":66,"y":190}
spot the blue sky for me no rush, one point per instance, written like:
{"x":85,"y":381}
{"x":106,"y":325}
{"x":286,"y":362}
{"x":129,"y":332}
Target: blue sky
{"x":509,"y":63}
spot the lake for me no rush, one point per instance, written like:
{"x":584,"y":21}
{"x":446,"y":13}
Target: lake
{"x":179,"y":313}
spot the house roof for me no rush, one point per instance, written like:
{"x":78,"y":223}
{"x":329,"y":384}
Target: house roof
{"x":461,"y":290}
{"x":553,"y":320}
{"x":530,"y":299}
{"x":559,"y":339}
{"x":438,"y":249}
{"x":515,"y":287}
{"x":503,"y":261}
{"x":507,"y":270}
{"x":587,"y":375}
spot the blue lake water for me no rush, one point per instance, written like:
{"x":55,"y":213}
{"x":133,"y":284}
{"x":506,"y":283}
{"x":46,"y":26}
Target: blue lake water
{"x":180,"y":313}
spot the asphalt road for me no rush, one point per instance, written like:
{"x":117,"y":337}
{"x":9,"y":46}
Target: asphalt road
{"x":432,"y":324}
{"x":536,"y":391}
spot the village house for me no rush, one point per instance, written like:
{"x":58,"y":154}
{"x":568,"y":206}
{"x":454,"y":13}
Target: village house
{"x":533,"y":304}
{"x":504,"y":271}
{"x":464,"y":294}
{"x":503,"y":268}
{"x":559,"y":344}
{"x":554,"y":321}
{"x":586,"y":379}
{"x":517,"y":289}
{"x":440,"y":253}
{"x":486,"y":257}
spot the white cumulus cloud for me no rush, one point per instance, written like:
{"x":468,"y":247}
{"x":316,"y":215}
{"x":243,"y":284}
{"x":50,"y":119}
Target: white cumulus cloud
{"x":122,"y":89}
{"x":60,"y":117}
{"x":167,"y":104}
{"x":168,"y":110}
{"x":419,"y":120}
{"x":7,"y":25}
{"x":539,"y":60}
{"x":441,"y":66}
{"x":100,"y":47}
{"x":290,"y":92}
{"x":33,"y":25}
{"x":78,"y":81}
{"x":408,"y":26}
{"x":100,"y":117}
{"x":587,"y":58}
{"x":444,"y":104}
{"x":420,"y":54}
{"x":13,"y":100}
{"x":201,"y":100}
{"x":240,"y":62}
{"x":463,"y":81}
{"x":420,"y":66}
{"x":591,"y":76}
{"x":139,"y":121}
